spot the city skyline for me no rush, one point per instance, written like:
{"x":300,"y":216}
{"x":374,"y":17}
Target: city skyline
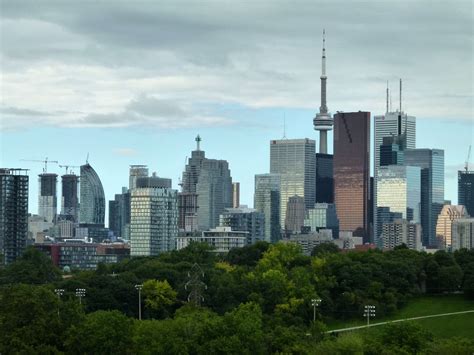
{"x":126,"y":109}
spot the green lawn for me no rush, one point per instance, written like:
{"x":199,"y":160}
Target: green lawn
{"x":461,"y":325}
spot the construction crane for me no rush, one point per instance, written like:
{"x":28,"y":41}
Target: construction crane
{"x":46,"y":161}
{"x":466,"y":166}
{"x":67,"y":168}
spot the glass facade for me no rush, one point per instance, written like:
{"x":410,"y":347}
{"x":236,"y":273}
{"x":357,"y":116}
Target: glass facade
{"x":214,"y":190}
{"x":13,"y":214}
{"x":431,"y":162}
{"x":352,"y":171}
{"x":324,"y":178}
{"x":401,"y":129}
{"x":92,"y":203}
{"x":462,"y":234}
{"x":448,"y":214}
{"x":245,"y":220}
{"x":47,"y":197}
{"x":322,"y":216}
{"x":295,"y":161}
{"x":295,"y":213}
{"x":69,"y":199}
{"x":153,"y":221}
{"x":119,"y":214}
{"x":398,"y":194}
{"x":466,"y":190}
{"x":267,"y":200}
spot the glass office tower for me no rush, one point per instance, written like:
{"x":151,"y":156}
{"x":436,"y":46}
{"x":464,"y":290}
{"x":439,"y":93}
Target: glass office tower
{"x":295,"y":161}
{"x":466,"y":190}
{"x":352,"y":171}
{"x":431,"y":162}
{"x":324,"y":178}
{"x":267,"y":200}
{"x":398,"y":195}
{"x":92,"y":203}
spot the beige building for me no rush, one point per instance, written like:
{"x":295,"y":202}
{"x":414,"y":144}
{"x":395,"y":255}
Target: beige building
{"x":448,"y":214}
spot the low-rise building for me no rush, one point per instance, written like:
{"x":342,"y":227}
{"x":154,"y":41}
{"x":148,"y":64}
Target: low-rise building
{"x":222,"y":239}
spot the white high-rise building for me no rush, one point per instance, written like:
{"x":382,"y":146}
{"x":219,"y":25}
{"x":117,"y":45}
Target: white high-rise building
{"x":153,"y":220}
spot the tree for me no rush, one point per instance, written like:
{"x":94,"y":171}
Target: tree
{"x":248,"y":255}
{"x":28,"y":319}
{"x":101,"y":332}
{"x":33,"y":267}
{"x":324,"y":249}
{"x":158,"y":294}
{"x":404,"y":336}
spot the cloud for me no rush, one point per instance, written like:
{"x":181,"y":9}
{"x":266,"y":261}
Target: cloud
{"x":113,"y":66}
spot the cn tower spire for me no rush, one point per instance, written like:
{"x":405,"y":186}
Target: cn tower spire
{"x":323,"y":120}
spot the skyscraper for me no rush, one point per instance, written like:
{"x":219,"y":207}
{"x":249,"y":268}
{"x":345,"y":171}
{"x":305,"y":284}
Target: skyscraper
{"x":466,"y":190}
{"x":119,"y":214}
{"x":462,"y":234}
{"x":154,"y":220}
{"x":187,"y":198}
{"x":245,"y":220}
{"x":352,"y":171}
{"x":295,"y":213}
{"x":445,"y":221}
{"x":214,"y":192}
{"x":324,"y":178}
{"x":323,"y":121}
{"x":136,"y":171}
{"x":431,"y":162}
{"x":393,"y":133}
{"x":267,"y":200}
{"x":13,"y":214}
{"x":92,"y":203}
{"x":69,"y":198}
{"x":295,"y":161}
{"x":236,"y":194}
{"x":47,"y":196}
{"x":322,"y":216}
{"x":398,"y":195}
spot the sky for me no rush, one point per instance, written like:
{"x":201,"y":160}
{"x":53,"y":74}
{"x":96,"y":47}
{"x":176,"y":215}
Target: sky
{"x":134,"y":82}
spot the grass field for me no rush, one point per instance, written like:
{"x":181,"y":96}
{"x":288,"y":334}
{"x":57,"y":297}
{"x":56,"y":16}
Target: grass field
{"x":447,"y":326}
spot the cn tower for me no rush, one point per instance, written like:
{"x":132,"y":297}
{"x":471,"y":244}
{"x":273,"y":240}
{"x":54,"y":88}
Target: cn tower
{"x":323,"y":121}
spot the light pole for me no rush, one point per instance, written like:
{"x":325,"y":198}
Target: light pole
{"x":315,"y":302}
{"x":59,"y":292}
{"x":80,"y":292}
{"x":139,"y":288}
{"x":369,"y":311}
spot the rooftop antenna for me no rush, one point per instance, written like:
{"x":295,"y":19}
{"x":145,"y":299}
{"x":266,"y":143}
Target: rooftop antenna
{"x":387,"y":99}
{"x":466,"y":166}
{"x":284,"y":125}
{"x":87,"y":158}
{"x":400,"y":95}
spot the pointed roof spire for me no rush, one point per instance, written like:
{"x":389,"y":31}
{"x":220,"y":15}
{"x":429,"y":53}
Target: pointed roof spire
{"x":198,"y":142}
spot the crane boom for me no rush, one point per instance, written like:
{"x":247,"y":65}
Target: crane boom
{"x":46,"y":161}
{"x":67,"y":167}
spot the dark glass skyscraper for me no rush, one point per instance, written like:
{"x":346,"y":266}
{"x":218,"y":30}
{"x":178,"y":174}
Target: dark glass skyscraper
{"x":466,"y":190}
{"x":352,"y":171}
{"x":69,"y":198}
{"x":92,"y":204}
{"x":324,"y":178}
{"x":13,"y":213}
{"x":119,"y":214}
{"x":431,"y":162}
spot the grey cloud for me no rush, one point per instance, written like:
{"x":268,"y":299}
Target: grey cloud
{"x":261,"y":54}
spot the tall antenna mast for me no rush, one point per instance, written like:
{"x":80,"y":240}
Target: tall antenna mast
{"x":387,"y":99}
{"x":198,"y":142}
{"x":400,"y":95}
{"x":284,"y":125}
